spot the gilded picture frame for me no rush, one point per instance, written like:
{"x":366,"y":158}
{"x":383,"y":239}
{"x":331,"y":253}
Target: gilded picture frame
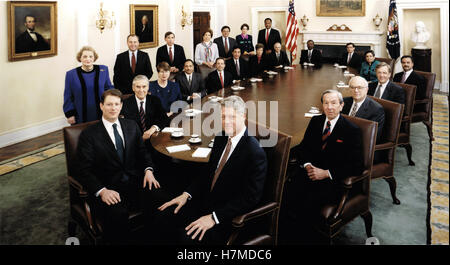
{"x":32,"y":29}
{"x":341,"y":8}
{"x":144,"y":23}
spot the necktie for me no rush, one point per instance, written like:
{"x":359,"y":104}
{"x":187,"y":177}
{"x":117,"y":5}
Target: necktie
{"x":353,"y":112}
{"x":119,"y":142}
{"x":403,"y":77}
{"x":226,"y":46}
{"x":259,"y":59}
{"x":378,"y":92}
{"x":190,"y":80}
{"x":142,"y":116}
{"x":309,"y":55}
{"x":349,"y":58}
{"x":221,"y":163}
{"x":325,"y":135}
{"x":237,"y":68}
{"x":221,"y":78}
{"x":278,"y":57}
{"x":170,"y":55}
{"x":267,"y":36}
{"x":133,"y":63}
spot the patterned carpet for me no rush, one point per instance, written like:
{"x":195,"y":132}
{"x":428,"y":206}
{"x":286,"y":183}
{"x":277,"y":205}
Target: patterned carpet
{"x":438,"y":189}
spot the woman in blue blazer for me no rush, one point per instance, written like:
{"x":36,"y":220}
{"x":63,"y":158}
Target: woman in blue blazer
{"x":167,"y":91}
{"x":84,"y":87}
{"x":368,"y":66}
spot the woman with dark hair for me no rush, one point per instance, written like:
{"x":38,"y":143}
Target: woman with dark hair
{"x":167,"y":91}
{"x":258,"y":63}
{"x":84,"y":87}
{"x":368,"y":66}
{"x":206,"y":53}
{"x":245,"y":42}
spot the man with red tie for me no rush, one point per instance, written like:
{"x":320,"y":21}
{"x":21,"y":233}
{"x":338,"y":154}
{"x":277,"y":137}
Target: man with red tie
{"x":268,"y":36}
{"x":219,"y":78}
{"x":171,"y":53}
{"x":130,"y":64}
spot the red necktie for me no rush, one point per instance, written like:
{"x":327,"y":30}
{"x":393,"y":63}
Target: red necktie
{"x":237,"y":68}
{"x":221,"y":78}
{"x":267,"y":36}
{"x":170,"y":55}
{"x":325,"y":135}
{"x":133,"y":63}
{"x":226,"y":46}
{"x":259,"y":59}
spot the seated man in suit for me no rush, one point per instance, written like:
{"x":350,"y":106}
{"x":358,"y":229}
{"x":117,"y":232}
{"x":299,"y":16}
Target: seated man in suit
{"x":311,"y":55}
{"x":237,"y":66}
{"x":330,"y":151}
{"x":225,"y":44}
{"x":361,"y":106}
{"x":384,"y":88}
{"x":219,"y":78}
{"x":351,"y":58}
{"x":278,"y":58}
{"x":191,"y":84}
{"x":268,"y":36}
{"x":130,"y":64}
{"x":115,"y":167}
{"x":171,"y":53}
{"x":232,"y":186}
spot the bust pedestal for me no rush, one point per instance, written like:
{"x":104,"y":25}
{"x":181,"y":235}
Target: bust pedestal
{"x":422,"y":59}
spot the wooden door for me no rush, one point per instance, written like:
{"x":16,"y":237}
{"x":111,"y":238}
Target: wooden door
{"x":201,"y":24}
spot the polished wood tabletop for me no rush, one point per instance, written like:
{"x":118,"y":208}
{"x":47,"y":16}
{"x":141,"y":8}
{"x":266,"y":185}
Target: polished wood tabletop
{"x":295,"y":91}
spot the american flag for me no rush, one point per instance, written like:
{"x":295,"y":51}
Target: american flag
{"x":292,"y":31}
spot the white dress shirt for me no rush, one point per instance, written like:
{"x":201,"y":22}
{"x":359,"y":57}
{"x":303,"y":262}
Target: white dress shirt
{"x":130,"y":54}
{"x":382,"y":88}
{"x":138,"y":102}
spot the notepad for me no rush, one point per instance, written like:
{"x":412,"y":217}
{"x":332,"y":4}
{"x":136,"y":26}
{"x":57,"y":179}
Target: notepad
{"x":288,"y":67}
{"x":201,"y":152}
{"x":178,"y":148}
{"x":272,"y":73}
{"x":171,"y":130}
{"x":309,"y":115}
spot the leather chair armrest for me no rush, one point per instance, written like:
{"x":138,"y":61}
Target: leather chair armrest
{"x":238,"y":221}
{"x":349,"y":181}
{"x":422,"y":101}
{"x":384,"y":146}
{"x":75,"y":184}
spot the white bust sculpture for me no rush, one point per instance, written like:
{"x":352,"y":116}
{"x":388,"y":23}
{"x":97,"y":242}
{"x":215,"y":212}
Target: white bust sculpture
{"x":420,"y":36}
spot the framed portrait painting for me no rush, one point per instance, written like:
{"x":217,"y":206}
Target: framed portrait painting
{"x":341,"y":8}
{"x":144,"y":23}
{"x":32,"y":30}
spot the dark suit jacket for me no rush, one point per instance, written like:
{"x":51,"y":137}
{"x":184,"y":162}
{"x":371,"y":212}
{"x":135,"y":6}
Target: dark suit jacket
{"x":239,"y":186}
{"x":414,"y":79}
{"x":213,"y":81}
{"x":123,"y":76}
{"x":162,"y":55}
{"x":316,"y":57}
{"x":243,"y":68}
{"x":24,"y":43}
{"x":273,"y":61}
{"x":355,"y":61}
{"x":154,"y":112}
{"x":392,"y":92}
{"x":100,"y":165}
{"x":197,"y":85}
{"x":369,"y":110}
{"x":342,"y":155}
{"x":274,"y":37}
{"x":255,"y":68}
{"x":232,"y":43}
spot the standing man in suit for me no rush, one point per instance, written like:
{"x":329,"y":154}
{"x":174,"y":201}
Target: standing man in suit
{"x":114,"y":167}
{"x":192,"y":85}
{"x":219,"y":78}
{"x":311,"y":55}
{"x":30,"y":40}
{"x":232,"y":186}
{"x":384,"y":88}
{"x":237,"y":66}
{"x":278,"y":58}
{"x":409,"y":76}
{"x":330,"y":151}
{"x":171,"y":53}
{"x":130,"y":64}
{"x":351,"y":58}
{"x":225,"y":44}
{"x":361,"y":106}
{"x":268,"y":36}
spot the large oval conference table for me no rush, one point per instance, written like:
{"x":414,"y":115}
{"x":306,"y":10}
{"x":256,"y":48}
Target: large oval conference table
{"x":296,"y":91}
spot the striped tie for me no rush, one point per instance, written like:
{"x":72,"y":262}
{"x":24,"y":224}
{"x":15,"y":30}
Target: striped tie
{"x":325,"y":135}
{"x":142,"y":116}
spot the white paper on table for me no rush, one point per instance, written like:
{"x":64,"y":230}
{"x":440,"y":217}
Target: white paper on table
{"x":272,"y":73}
{"x":201,"y":152}
{"x":255,"y":79}
{"x":288,"y":67}
{"x":309,"y":115}
{"x":171,"y":130}
{"x":178,"y":148}
{"x":342,"y":66}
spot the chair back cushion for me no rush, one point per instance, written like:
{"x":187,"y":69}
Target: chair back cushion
{"x":430,"y":79}
{"x":410,"y":95}
{"x":393,"y":113}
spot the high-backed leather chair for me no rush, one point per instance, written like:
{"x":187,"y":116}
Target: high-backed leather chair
{"x":425,"y":112}
{"x":405,"y":129}
{"x":260,"y":226}
{"x":388,"y":61}
{"x":81,"y":212}
{"x":393,"y":113}
{"x":356,"y":189}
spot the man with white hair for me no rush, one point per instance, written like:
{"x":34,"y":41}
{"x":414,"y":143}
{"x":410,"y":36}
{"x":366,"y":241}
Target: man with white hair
{"x":232,"y":186}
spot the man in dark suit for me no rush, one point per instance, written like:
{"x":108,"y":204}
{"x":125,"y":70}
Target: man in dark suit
{"x":384,"y":88}
{"x":114,"y":167}
{"x":232,"y":186}
{"x":171,"y":53}
{"x":311,"y":55}
{"x":351,"y":58}
{"x":130,"y":64}
{"x":219,"y":78}
{"x":225,"y":44}
{"x":191,"y":84}
{"x":237,"y":66}
{"x":268,"y":36}
{"x":278,"y":58}
{"x":30,"y":40}
{"x":361,"y":106}
{"x":330,"y":151}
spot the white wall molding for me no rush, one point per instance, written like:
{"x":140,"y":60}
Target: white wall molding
{"x":37,"y":130}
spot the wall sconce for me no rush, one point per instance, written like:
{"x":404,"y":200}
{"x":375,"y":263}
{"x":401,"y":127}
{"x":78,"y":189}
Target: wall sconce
{"x":377,"y":21}
{"x":104,"y":20}
{"x":185,"y":18}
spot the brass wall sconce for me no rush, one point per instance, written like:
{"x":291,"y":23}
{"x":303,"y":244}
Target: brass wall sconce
{"x":104,"y":20}
{"x":186,"y":19}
